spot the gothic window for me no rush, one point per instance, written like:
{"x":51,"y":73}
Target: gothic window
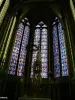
{"x":40,"y":39}
{"x":59,"y":50}
{"x":17,"y":61}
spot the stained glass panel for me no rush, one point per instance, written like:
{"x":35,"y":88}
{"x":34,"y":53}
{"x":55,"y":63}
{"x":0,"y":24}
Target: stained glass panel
{"x":44,"y":52}
{"x":64,"y":62}
{"x":40,"y":38}
{"x":59,"y":49}
{"x":36,"y":42}
{"x":23,"y":51}
{"x":19,"y":50}
{"x":15,"y":53}
{"x":56,"y":52}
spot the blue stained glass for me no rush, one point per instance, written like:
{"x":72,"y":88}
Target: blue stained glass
{"x":11,"y":72}
{"x":23,"y":51}
{"x":63,"y":51}
{"x":44,"y":64}
{"x":15,"y":53}
{"x":12,"y":64}
{"x":17,"y":42}
{"x":56,"y":52}
{"x":16,"y":50}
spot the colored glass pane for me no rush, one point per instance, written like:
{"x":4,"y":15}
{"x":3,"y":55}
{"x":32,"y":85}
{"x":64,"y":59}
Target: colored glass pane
{"x":56,"y":52}
{"x":15,"y":53}
{"x":40,"y":38}
{"x":23,"y":51}
{"x":64,"y":62}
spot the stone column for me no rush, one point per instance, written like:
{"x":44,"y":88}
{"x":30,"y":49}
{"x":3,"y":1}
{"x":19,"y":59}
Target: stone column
{"x":4,"y":10}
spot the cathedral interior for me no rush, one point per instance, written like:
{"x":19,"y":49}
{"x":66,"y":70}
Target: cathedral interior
{"x":37,"y":49}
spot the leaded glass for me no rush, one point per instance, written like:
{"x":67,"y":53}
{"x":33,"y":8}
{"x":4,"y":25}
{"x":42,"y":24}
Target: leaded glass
{"x":15,"y":53}
{"x":40,"y":39}
{"x":44,"y":49}
{"x":43,"y":39}
{"x":43,"y":43}
{"x":59,"y":49}
{"x":44,"y":59}
{"x":36,"y":42}
{"x":56,"y":52}
{"x":19,"y":50}
{"x":64,"y":62}
{"x":23,"y":51}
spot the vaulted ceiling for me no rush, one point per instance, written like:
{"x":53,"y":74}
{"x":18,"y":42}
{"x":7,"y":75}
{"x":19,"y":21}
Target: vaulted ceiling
{"x":16,"y":5}
{"x":37,"y":9}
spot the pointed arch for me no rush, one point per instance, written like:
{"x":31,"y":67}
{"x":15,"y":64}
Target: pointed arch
{"x":59,"y":50}
{"x":17,"y":61}
{"x":40,"y":39}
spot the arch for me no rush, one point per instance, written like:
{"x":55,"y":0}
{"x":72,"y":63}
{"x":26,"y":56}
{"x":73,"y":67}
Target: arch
{"x":40,"y":40}
{"x":17,"y":60}
{"x":59,"y":50}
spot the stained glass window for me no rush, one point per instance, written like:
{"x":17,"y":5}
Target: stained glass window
{"x":36,"y":42}
{"x":23,"y":51}
{"x":59,"y":50}
{"x":44,"y":52}
{"x":56,"y":52}
{"x":40,"y":39}
{"x":17,"y":61}
{"x":15,"y":53}
{"x":64,"y":62}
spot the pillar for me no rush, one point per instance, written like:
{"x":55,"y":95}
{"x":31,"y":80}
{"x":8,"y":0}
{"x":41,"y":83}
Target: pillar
{"x":72,"y":9}
{"x":4,"y":10}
